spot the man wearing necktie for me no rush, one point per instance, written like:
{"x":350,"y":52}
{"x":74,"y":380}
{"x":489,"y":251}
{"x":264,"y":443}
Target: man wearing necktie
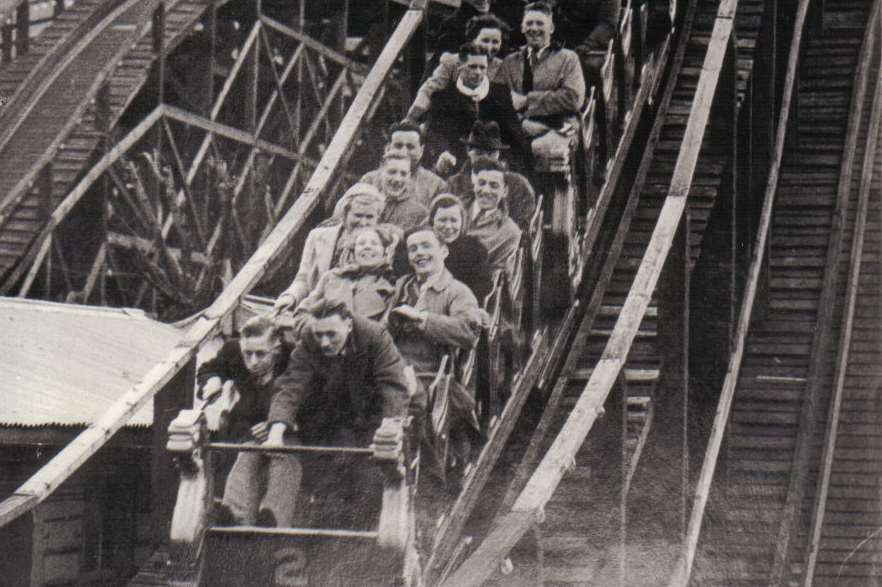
{"x":546,"y":81}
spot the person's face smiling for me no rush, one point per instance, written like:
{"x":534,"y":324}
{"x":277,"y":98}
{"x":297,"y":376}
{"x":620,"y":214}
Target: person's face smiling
{"x":368,"y":248}
{"x":425,"y":253}
{"x":489,"y":188}
{"x":490,"y":40}
{"x":360,"y":215}
{"x":396,"y":176}
{"x":407,"y":143}
{"x":448,"y":223}
{"x":537,"y":28}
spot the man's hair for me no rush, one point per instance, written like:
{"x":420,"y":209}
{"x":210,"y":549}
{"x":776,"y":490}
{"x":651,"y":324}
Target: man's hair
{"x":422,"y":228}
{"x":485,"y":21}
{"x":327,"y":307}
{"x":445,"y":201}
{"x":540,"y":6}
{"x":258,"y":326}
{"x":467,"y":49}
{"x":406,"y":126}
{"x":487,"y":164}
{"x":391,"y":156}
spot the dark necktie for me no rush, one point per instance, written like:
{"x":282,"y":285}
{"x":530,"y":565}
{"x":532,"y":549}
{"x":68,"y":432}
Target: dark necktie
{"x":528,"y":73}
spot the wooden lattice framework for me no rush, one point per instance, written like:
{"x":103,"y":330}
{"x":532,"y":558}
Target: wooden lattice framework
{"x":184,"y":197}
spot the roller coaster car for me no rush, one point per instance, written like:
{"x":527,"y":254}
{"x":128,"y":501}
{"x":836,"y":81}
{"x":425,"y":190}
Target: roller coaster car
{"x":203,"y":553}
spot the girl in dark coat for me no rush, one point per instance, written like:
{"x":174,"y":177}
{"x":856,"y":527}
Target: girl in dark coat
{"x":467,"y":258}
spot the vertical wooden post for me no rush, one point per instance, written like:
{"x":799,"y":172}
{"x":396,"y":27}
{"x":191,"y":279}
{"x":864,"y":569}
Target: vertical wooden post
{"x":59,"y":8}
{"x":6,"y":43}
{"x":210,"y":23}
{"x":416,"y":54}
{"x":177,"y":395}
{"x":658,"y":494}
{"x":159,"y":48}
{"x":22,"y":28}
{"x":343,"y":33}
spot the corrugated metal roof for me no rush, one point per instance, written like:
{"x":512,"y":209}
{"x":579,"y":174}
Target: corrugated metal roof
{"x":62,"y":364}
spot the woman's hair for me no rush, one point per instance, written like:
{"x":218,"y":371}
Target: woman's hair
{"x":485,"y":21}
{"x":386,"y":236}
{"x":445,"y":200}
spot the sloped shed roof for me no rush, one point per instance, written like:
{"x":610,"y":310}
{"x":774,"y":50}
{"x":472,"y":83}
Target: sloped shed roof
{"x":63,"y":364}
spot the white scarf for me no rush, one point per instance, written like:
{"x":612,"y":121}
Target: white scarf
{"x":476,"y":94}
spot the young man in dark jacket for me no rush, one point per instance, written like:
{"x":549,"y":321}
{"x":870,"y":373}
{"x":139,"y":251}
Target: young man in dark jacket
{"x":474,"y":97}
{"x":343,"y":378}
{"x":245,"y":371}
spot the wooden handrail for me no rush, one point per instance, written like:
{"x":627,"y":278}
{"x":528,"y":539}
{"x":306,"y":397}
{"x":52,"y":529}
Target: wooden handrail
{"x":40,"y":485}
{"x":529,"y":506}
{"x":855,"y":261}
{"x":683,"y":570}
{"x":824,"y":326}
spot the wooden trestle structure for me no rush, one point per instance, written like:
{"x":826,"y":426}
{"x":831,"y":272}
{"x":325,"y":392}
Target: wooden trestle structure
{"x":726,"y":275}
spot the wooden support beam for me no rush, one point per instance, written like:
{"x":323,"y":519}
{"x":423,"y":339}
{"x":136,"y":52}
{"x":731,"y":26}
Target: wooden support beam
{"x":448,"y":535}
{"x":22,"y":28}
{"x":229,"y":132}
{"x":822,"y":338}
{"x":94,"y":272}
{"x":39,"y":486}
{"x":659,"y":488}
{"x":317,"y":46}
{"x":45,"y":248}
{"x":680,"y":576}
{"x":871,"y":154}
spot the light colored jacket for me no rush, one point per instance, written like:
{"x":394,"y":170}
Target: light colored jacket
{"x":453,"y":321}
{"x":558,"y":83}
{"x":500,"y":236}
{"x":318,"y":252}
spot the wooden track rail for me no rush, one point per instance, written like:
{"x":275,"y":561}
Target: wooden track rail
{"x":41,"y":78}
{"x":871,"y":154}
{"x":39,"y":486}
{"x":823,"y":333}
{"x":529,"y":506}
{"x":682,"y":572}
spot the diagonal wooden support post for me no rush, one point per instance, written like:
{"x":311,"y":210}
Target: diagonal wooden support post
{"x":656,"y":517}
